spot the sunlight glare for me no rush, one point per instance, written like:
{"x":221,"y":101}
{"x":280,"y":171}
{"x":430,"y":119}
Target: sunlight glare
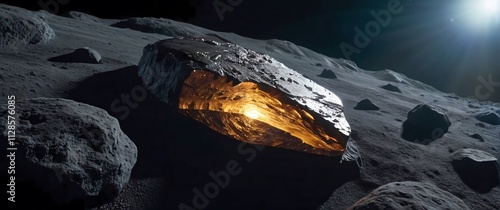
{"x":482,"y":13}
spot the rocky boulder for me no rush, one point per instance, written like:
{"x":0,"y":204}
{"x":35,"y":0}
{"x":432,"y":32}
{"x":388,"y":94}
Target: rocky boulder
{"x":69,"y":150}
{"x":329,"y":74}
{"x":477,"y":136}
{"x":171,"y":68}
{"x":82,"y":16}
{"x":80,"y":55}
{"x":425,"y":124}
{"x":366,"y":104}
{"x":409,"y":195}
{"x":161,"y":26}
{"x":478,"y":169}
{"x":489,"y":117}
{"x":21,"y":27}
{"x":391,"y":87}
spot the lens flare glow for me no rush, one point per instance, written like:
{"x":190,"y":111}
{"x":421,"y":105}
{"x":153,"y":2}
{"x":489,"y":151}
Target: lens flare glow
{"x":482,"y":13}
{"x":488,"y":7}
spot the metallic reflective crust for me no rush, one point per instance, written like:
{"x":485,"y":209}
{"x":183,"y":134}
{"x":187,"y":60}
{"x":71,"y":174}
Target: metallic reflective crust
{"x":167,"y":68}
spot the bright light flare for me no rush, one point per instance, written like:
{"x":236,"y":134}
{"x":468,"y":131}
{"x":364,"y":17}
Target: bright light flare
{"x":488,"y":7}
{"x":481,"y":14}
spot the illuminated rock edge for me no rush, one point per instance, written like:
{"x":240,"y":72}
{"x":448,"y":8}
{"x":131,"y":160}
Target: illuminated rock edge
{"x":165,"y":64}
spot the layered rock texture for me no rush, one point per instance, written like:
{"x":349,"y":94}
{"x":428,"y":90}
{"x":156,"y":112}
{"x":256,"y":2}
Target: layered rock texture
{"x":70,"y":150}
{"x":20,"y":27}
{"x":244,"y":94}
{"x":409,"y":195}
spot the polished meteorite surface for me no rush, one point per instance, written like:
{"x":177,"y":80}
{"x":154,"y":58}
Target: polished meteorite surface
{"x":245,"y":94}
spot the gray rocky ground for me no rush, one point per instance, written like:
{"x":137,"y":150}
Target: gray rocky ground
{"x":176,"y":158}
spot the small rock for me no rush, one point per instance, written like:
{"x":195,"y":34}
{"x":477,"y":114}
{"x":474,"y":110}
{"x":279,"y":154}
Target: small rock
{"x":88,"y":55}
{"x":452,"y":95}
{"x":476,"y":168}
{"x":478,"y":137}
{"x":366,"y":104}
{"x":318,"y":64}
{"x":409,"y":195}
{"x":474,"y":106}
{"x":328,"y":74}
{"x":32,"y":73}
{"x":425,"y":124}
{"x":391,"y":87}
{"x":80,"y":55}
{"x":481,"y":125}
{"x":489,"y":117}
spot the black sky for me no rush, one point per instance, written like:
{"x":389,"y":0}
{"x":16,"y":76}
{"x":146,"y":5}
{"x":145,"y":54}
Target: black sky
{"x":422,"y":41}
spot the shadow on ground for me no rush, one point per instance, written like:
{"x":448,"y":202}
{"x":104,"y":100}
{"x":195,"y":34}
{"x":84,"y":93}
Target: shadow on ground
{"x":184,"y":153}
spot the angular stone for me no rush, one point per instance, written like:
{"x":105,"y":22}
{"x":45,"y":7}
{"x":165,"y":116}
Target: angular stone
{"x":391,"y":87}
{"x":425,"y":124}
{"x":80,"y":55}
{"x":366,"y":104}
{"x":489,"y":117}
{"x":72,"y":151}
{"x":409,"y":195}
{"x":244,"y":94}
{"x":478,"y":137}
{"x":326,"y":73}
{"x":478,"y":169}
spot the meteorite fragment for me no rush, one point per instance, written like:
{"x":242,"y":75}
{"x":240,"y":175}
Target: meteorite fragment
{"x":245,"y":94}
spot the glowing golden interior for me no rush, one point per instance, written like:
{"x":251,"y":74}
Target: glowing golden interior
{"x":253,"y":113}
